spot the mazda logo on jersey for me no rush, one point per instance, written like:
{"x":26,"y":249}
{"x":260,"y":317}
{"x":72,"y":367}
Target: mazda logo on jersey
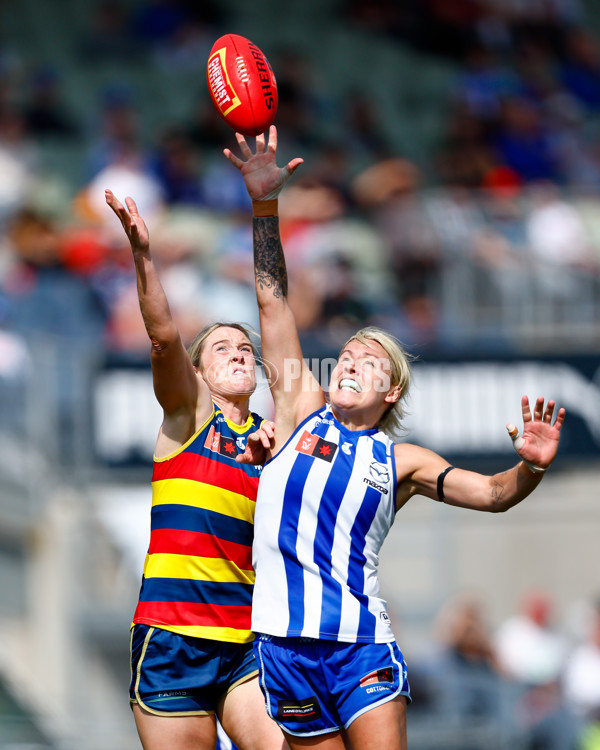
{"x":313,"y":445}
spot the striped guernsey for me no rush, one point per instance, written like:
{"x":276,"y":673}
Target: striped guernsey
{"x":198,"y":575}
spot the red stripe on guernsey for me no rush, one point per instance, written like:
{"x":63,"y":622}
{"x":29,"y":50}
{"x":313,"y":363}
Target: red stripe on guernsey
{"x":193,"y":613}
{"x":188,"y":465}
{"x":194,"y":543}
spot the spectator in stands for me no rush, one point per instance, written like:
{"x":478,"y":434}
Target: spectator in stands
{"x":528,"y":647}
{"x":116,"y":132}
{"x":177,"y":165}
{"x":532,"y":652}
{"x":109,"y":36}
{"x":388,"y":191}
{"x":580,"y":73}
{"x":581,"y":678}
{"x":19,"y":161}
{"x":46,"y":113}
{"x":56,"y":312}
{"x":522,"y":141}
{"x":460,"y":677}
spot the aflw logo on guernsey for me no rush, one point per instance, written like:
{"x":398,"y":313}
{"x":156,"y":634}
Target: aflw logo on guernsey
{"x":217,"y":443}
{"x":313,"y":445}
{"x":220,"y":84}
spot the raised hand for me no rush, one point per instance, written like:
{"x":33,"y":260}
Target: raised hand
{"x":538,"y":444}
{"x":263,"y":178}
{"x":133,"y":224}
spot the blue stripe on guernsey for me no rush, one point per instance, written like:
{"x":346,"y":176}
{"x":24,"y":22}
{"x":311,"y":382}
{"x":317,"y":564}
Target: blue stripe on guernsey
{"x":361,"y":526}
{"x":356,"y":566}
{"x":188,"y":518}
{"x":288,"y":536}
{"x":332,"y":589}
{"x":206,"y":592}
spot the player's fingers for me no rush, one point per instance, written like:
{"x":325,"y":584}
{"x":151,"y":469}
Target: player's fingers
{"x":120,"y":211}
{"x":538,"y":409}
{"x":293,"y":165}
{"x":272,"y":139}
{"x":269,"y":428}
{"x":560,"y":418}
{"x":525,"y":409}
{"x":244,"y":147}
{"x":236,"y":161}
{"x":549,"y":412}
{"x":260,"y":143}
{"x":112,"y":201}
{"x":131,"y":206}
{"x":513,"y":432}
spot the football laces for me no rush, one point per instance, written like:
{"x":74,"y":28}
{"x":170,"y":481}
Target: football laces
{"x":242,"y":70}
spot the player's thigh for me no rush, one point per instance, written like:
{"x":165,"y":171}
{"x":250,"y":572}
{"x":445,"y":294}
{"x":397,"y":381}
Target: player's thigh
{"x":330,"y":741}
{"x":175,"y":732}
{"x":381,"y":728}
{"x":244,"y":717}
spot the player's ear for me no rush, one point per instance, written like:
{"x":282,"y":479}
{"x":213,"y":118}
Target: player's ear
{"x":393,"y":394}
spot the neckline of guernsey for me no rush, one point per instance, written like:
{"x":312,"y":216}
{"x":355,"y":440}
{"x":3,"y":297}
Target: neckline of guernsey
{"x":347,"y":431}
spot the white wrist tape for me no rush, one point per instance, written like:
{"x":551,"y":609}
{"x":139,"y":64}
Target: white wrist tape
{"x":285,"y":175}
{"x":518,"y":443}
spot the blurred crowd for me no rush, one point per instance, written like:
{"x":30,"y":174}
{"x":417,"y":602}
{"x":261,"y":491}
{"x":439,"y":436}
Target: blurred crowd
{"x":367,"y":244}
{"x":532,"y":683}
{"x":506,"y":207}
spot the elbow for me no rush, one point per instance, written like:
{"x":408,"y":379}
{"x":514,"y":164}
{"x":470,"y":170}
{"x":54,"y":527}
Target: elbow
{"x":497,"y":507}
{"x":164,"y":339}
{"x":495,"y":504}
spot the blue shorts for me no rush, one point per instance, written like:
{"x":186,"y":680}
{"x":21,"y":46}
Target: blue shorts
{"x":178,"y":675}
{"x":312,"y":687}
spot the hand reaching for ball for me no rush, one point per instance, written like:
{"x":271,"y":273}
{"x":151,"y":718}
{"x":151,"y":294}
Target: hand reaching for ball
{"x":263,"y":178}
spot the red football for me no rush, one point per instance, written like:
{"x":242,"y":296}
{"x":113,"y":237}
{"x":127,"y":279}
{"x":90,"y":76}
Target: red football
{"x":241,"y":84}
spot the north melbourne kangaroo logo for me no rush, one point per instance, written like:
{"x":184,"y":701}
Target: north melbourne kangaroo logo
{"x":379,"y":472}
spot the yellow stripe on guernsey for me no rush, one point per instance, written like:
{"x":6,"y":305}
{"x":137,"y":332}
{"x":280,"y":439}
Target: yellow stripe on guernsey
{"x":163,"y":565}
{"x":199,"y":495}
{"x":231,"y":635}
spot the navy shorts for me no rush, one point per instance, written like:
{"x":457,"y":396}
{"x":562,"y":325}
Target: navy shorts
{"x":178,"y":675}
{"x":313,"y":687}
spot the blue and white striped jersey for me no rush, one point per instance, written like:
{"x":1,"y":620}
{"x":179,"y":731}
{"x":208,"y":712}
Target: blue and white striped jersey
{"x":325,"y":504}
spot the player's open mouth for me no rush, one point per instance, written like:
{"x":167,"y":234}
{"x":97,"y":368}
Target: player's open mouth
{"x":352,"y":385}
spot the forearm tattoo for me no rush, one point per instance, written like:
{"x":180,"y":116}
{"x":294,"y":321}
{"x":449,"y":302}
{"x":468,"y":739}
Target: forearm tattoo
{"x":497,"y":490}
{"x":269,"y":262}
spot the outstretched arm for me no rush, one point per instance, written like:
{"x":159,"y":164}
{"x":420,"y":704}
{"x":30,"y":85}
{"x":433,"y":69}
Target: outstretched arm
{"x":175,"y":382}
{"x":419,"y":469}
{"x":295,"y":391}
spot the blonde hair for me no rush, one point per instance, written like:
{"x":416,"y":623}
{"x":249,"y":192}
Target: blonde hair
{"x":400,"y":359}
{"x":196,"y":348}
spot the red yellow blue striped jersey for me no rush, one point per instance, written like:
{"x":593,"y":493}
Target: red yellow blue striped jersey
{"x":198,"y":576}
